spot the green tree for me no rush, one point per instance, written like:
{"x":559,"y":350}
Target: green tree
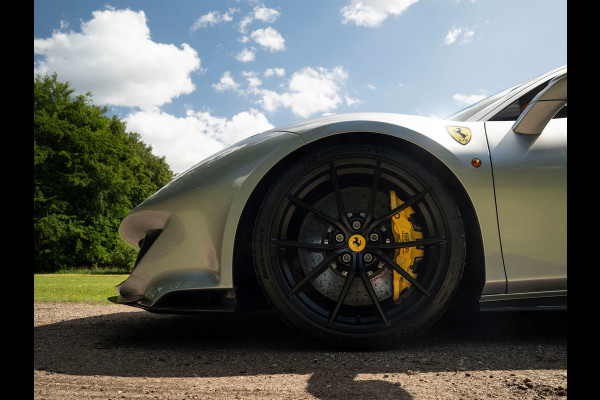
{"x":88,"y":174}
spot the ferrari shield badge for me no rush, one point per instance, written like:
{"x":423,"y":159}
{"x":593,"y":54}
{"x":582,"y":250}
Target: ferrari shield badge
{"x":461,"y":134}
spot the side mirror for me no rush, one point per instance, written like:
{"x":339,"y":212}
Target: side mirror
{"x":543,"y":107}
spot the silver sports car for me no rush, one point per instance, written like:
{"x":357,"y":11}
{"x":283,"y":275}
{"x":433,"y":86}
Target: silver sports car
{"x":362,"y":229}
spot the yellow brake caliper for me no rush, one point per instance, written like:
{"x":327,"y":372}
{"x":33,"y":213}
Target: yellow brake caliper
{"x":403,"y":232}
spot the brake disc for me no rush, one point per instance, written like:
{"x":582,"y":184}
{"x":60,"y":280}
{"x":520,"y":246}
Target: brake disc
{"x":330,"y":283}
{"x":386,"y":282}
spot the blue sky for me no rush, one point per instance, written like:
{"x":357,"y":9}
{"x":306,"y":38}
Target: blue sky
{"x":193,"y":76}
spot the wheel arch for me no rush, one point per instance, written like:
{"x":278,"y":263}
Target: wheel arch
{"x":248,"y":292}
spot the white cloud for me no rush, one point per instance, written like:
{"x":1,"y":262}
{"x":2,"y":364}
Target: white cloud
{"x":351,"y":101}
{"x":309,"y":91}
{"x":274,"y":71}
{"x":465,"y":100}
{"x":372,"y":13}
{"x":246,"y":55}
{"x":265,"y":14}
{"x":114,"y":58}
{"x":467,"y":36}
{"x":226,"y":83}
{"x":261,"y":13}
{"x":268,"y":38}
{"x":243,"y":25}
{"x":253,"y":81}
{"x":213,"y":18}
{"x":453,"y":35}
{"x":186,"y":141}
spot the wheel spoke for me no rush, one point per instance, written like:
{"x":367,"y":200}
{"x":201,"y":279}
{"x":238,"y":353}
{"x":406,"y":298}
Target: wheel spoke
{"x":338,"y":195}
{"x":373,"y":197}
{"x":400,"y":245}
{"x":409,"y":203}
{"x":318,"y":213}
{"x":402,"y":272}
{"x":314,"y":272}
{"x":369,"y":287}
{"x":310,"y":246}
{"x":342,"y":295}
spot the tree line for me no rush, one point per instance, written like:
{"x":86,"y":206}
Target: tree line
{"x":89,"y":172}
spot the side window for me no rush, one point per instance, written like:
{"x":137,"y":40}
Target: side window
{"x":512,"y":112}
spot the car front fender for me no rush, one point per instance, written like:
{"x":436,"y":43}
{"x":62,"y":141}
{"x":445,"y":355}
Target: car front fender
{"x":433,"y":136}
{"x":198,"y":213}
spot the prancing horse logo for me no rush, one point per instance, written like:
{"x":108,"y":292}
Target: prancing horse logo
{"x":461,"y":134}
{"x":356,"y":243}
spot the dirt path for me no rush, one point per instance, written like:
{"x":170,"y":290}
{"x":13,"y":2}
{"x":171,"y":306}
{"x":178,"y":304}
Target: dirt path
{"x":116,"y":352}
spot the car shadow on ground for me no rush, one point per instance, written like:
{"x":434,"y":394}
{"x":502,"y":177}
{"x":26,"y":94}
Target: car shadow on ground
{"x":142,"y":344}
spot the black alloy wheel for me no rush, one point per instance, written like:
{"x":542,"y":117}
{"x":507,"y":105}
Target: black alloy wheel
{"x":326,"y":255}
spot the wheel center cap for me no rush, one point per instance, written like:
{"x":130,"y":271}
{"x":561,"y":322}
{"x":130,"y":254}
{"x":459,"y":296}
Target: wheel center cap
{"x":357,"y":243}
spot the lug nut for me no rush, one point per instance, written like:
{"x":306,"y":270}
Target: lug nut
{"x":368,"y":257}
{"x":339,"y":237}
{"x":346,"y":257}
{"x":356,"y":225}
{"x":374,"y":237}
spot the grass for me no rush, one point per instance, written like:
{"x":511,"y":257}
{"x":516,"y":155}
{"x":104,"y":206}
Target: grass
{"x":76,"y":288}
{"x":96,"y":271}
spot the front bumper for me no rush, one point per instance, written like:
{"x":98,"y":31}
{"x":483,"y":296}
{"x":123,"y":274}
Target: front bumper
{"x":197,"y":214}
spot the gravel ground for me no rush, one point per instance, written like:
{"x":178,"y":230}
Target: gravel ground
{"x":84,"y":351}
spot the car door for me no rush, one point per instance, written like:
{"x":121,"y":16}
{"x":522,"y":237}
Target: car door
{"x":530,"y":180}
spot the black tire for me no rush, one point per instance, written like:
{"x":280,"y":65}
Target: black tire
{"x":346,"y":301}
